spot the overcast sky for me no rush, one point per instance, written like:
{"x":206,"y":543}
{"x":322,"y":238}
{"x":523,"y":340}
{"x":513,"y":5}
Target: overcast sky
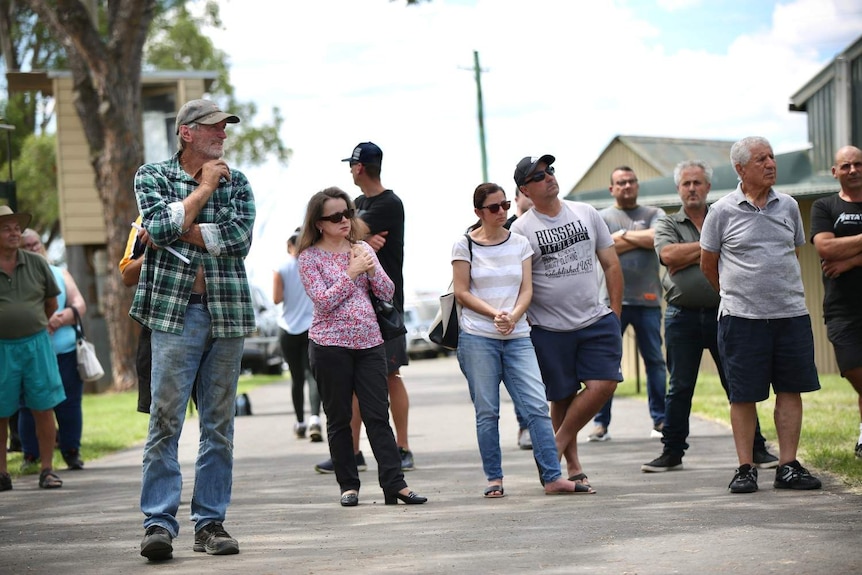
{"x":558,"y":77}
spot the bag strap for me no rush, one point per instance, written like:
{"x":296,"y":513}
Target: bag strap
{"x":469,"y":245}
{"x":79,"y":325}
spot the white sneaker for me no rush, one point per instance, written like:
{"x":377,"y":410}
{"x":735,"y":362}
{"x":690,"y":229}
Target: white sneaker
{"x":600,"y":433}
{"x":314,"y":430}
{"x":299,"y":430}
{"x":525,"y":442}
{"x":656,"y":433}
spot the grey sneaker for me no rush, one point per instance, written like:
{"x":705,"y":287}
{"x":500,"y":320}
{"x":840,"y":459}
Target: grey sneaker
{"x":406,"y":459}
{"x":793,"y":476}
{"x":314,"y":431}
{"x":213,"y":539}
{"x":525,"y":442}
{"x":600,"y":433}
{"x":765,"y":460}
{"x":664,"y":462}
{"x":299,"y":429}
{"x":745,"y":480}
{"x":156,"y":545}
{"x":329,"y":467}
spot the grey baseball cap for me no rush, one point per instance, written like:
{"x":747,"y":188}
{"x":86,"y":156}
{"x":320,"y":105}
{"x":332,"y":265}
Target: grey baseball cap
{"x":202,"y":112}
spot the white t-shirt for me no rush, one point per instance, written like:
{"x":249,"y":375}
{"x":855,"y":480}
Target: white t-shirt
{"x":495,"y":278}
{"x":565,"y":282}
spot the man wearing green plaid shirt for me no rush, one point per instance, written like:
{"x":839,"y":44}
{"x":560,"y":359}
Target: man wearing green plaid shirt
{"x":197,"y":302}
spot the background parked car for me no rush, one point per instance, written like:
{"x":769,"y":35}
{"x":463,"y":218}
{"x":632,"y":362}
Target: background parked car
{"x":261,"y":352}
{"x":417,"y":319}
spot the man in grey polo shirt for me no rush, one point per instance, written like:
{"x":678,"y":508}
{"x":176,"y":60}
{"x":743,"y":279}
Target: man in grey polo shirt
{"x":690,"y":320}
{"x":749,"y":246}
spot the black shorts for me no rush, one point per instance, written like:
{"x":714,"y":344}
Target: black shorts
{"x":396,"y":353}
{"x":758,"y":352}
{"x":846,"y":337}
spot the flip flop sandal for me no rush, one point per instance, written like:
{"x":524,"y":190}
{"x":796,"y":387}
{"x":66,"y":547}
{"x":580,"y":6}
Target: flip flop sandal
{"x":494,"y":492}
{"x":581,"y":479}
{"x":49,"y":480}
{"x":580,"y":489}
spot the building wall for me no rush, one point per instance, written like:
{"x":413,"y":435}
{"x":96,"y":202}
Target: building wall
{"x":617,"y":154}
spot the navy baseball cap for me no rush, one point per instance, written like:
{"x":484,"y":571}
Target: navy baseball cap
{"x":366,"y":153}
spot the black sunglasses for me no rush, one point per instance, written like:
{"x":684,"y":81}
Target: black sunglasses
{"x":539,"y":176}
{"x":494,"y":208}
{"x":338,"y":216}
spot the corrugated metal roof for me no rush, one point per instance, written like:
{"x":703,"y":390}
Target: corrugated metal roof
{"x":665,"y":153}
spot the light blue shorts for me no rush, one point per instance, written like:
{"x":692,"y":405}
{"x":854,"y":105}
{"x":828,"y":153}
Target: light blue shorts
{"x":29,"y":375}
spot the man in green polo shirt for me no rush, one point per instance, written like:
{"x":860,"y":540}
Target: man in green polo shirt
{"x":28,"y":366}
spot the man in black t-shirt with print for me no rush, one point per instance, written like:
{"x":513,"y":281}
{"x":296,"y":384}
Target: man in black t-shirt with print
{"x":836,"y":232}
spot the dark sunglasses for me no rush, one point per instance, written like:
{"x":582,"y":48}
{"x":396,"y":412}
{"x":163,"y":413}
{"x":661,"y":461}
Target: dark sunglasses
{"x":494,"y":208}
{"x":338,"y":216}
{"x":540,"y":175}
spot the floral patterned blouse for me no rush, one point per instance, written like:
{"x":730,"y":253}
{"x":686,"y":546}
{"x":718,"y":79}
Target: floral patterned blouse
{"x":343,"y":316}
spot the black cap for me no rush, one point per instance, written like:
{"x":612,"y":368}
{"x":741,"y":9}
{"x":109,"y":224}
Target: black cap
{"x":366,"y":153}
{"x":528,"y":165}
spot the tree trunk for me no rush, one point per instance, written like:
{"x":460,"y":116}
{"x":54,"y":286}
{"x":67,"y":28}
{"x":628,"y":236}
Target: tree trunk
{"x":107,"y":86}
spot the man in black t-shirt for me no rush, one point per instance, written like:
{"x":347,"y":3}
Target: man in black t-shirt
{"x":383,"y":213}
{"x":836,"y":232}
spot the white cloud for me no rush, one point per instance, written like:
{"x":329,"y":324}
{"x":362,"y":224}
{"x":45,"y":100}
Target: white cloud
{"x":558,"y":79}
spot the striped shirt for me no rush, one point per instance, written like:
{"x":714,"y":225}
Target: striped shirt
{"x":166,"y":282}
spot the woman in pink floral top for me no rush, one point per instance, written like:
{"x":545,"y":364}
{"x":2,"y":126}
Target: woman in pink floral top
{"x":345,"y":348}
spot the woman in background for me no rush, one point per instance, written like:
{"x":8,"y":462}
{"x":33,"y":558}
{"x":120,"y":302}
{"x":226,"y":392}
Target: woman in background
{"x":346,"y":348}
{"x":297,"y":311}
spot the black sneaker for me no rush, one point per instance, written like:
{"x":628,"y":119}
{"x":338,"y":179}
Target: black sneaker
{"x":329,"y":467}
{"x":745,"y":480}
{"x":793,"y":476}
{"x":156,"y":545}
{"x":73,"y":459}
{"x":764,"y":460}
{"x":406,"y":459}
{"x":859,"y":450}
{"x":213,"y":539}
{"x":665,"y":462}
{"x":5,"y":482}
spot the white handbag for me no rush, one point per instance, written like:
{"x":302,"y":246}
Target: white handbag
{"x":89,"y":367}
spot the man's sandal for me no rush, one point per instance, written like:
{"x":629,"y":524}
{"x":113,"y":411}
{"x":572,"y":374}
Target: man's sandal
{"x":494,"y":491}
{"x":49,"y":480}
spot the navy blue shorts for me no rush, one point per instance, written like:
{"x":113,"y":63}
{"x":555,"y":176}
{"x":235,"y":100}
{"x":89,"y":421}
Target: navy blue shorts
{"x":758,"y":352}
{"x":566,"y":358}
{"x":846,"y":338}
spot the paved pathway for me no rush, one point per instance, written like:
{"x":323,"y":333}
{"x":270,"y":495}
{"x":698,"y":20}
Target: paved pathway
{"x":287,"y":518}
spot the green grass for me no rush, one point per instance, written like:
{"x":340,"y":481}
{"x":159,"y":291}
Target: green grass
{"x":830,"y":424}
{"x":112,"y":423}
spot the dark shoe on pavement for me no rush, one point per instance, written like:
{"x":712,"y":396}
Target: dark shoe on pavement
{"x":360,"y":462}
{"x":73,"y":459}
{"x":5,"y":482}
{"x":406,"y":459}
{"x":665,"y":462}
{"x":793,"y":476}
{"x":213,"y":539}
{"x":156,"y":545}
{"x":329,"y":467}
{"x":765,"y":460}
{"x":745,"y":480}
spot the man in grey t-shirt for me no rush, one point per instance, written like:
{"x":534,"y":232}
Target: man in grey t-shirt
{"x":691,"y":317}
{"x":632,"y":228}
{"x":749,"y":247}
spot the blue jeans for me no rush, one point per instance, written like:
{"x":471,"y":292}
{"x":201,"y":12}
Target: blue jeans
{"x":70,"y":420}
{"x":646,"y":322}
{"x":485,"y":362}
{"x":687,"y":332}
{"x":177,"y":360}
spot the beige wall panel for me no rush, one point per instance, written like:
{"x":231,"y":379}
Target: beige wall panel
{"x":617,"y":154}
